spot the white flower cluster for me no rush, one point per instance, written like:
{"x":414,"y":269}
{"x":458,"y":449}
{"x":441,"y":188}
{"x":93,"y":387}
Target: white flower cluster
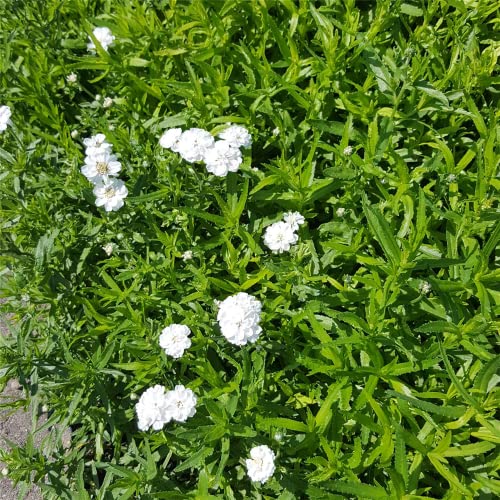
{"x":104,"y":36}
{"x":260,"y":466}
{"x":5,"y":114}
{"x":196,"y":144}
{"x":101,"y":168}
{"x":239,"y":318}
{"x":157,"y":407}
{"x":425,"y":288}
{"x":174,"y":339}
{"x":108,"y":248}
{"x":280,"y":236}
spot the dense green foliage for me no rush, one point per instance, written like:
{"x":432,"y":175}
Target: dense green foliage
{"x":376,"y":374}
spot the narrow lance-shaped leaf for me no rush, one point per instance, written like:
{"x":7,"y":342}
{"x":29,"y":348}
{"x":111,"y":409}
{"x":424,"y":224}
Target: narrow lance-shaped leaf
{"x":382,"y":232}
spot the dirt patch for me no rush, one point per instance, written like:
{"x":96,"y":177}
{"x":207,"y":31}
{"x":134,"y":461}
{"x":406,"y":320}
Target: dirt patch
{"x":14,"y":426}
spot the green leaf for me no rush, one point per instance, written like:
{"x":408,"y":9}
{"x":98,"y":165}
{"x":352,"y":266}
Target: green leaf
{"x":447,"y":474}
{"x":428,"y":89}
{"x":360,"y":490}
{"x":411,"y":10}
{"x":325,"y":413}
{"x":195,"y":461}
{"x":448,"y":411}
{"x":382,"y":232}
{"x":284,"y":423}
{"x":458,"y":385}
{"x":468,"y":450}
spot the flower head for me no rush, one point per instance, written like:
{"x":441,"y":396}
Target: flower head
{"x":175,"y":340}
{"x":101,"y":166}
{"x":187,"y":255}
{"x":425,"y":287}
{"x":151,"y":409}
{"x":180,"y":403}
{"x":294,"y":219}
{"x":222,"y":158}
{"x":104,"y":36}
{"x":279,"y":237}
{"x":194,"y":143}
{"x":107,"y":103}
{"x":237,"y":136}
{"x":239,"y":318}
{"x":108,"y":248}
{"x":96,"y":144}
{"x":72,"y":78}
{"x":340,"y":212}
{"x":110,"y":194}
{"x":347,"y":150}
{"x":170,"y":138}
{"x":5,"y":114}
{"x":260,"y":465}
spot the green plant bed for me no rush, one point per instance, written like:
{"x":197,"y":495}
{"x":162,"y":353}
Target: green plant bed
{"x":336,"y":267}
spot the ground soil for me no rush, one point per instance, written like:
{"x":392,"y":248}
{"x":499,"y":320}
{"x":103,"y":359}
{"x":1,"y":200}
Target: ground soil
{"x":14,"y":426}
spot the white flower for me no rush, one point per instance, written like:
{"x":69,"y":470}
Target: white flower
{"x":260,"y":466}
{"x":187,"y":255}
{"x":279,"y":237}
{"x":180,"y":403}
{"x":425,"y":287}
{"x":110,"y":194}
{"x":151,"y":409}
{"x":108,"y":248}
{"x":98,"y":97}
{"x":175,"y":340}
{"x":237,"y":136}
{"x":72,"y":78}
{"x":194,"y":143}
{"x":276,"y":131}
{"x":340,"y":212}
{"x":5,"y":471}
{"x":294,"y":219}
{"x":96,"y":144}
{"x":74,"y":134}
{"x":103,"y":36}
{"x":5,"y":114}
{"x":347,"y":150}
{"x":222,"y":158}
{"x":239,"y":317}
{"x":108,"y":102}
{"x":170,"y":138}
{"x":100,"y":166}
